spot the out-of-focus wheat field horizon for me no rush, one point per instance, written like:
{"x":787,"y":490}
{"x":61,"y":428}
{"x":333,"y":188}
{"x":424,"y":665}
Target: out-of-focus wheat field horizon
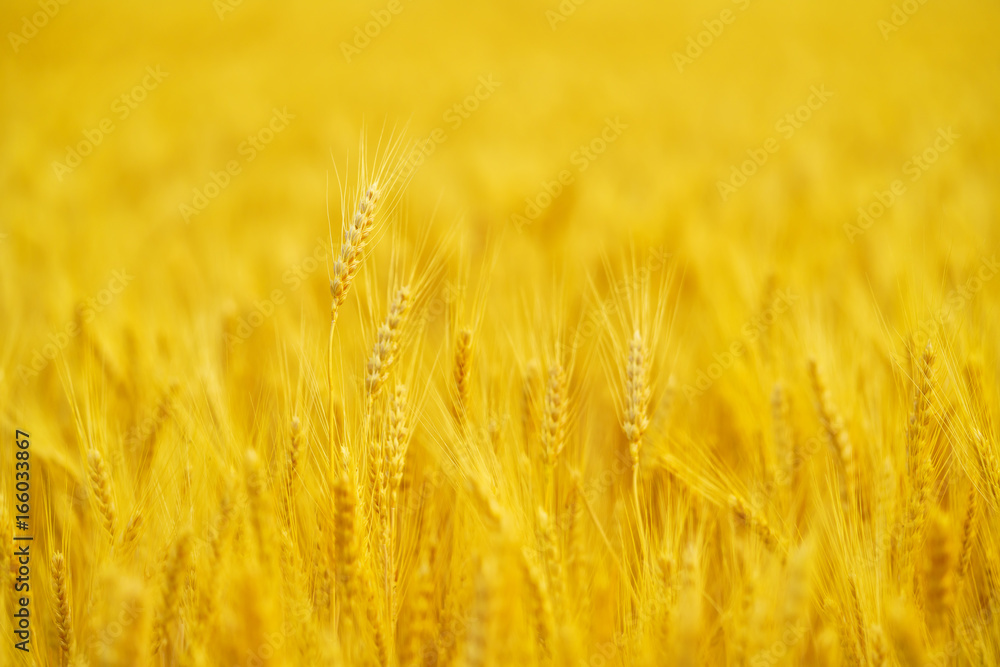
{"x":686,"y":236}
{"x":228,"y":68}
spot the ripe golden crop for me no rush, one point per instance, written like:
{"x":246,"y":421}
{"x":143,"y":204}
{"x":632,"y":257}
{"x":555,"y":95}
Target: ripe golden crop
{"x":452,"y":334}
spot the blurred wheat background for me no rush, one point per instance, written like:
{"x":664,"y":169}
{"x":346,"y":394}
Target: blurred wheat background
{"x":665,"y":334}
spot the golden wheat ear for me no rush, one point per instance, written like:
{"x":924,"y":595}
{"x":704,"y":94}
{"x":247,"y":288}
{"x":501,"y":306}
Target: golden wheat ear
{"x":836,"y":433}
{"x":130,"y":536}
{"x":166,"y":623}
{"x":352,"y":248}
{"x":63,"y":610}
{"x":292,"y":459}
{"x":377,"y":188}
{"x":345,"y":508}
{"x":398,"y":442}
{"x":940,"y":572}
{"x":969,"y":528}
{"x":636,"y":404}
{"x":916,"y":432}
{"x":462,"y":373}
{"x":100,"y":485}
{"x":418,"y":628}
{"x":554,"y":416}
{"x":386,"y":348}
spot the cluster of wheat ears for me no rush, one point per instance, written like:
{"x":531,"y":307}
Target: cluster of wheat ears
{"x":534,"y":495}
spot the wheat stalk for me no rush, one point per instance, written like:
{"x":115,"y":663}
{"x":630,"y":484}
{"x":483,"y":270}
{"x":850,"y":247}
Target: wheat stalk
{"x":345,"y":267}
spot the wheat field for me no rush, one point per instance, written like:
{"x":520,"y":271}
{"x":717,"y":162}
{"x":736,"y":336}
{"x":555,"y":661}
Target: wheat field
{"x":574,"y":333}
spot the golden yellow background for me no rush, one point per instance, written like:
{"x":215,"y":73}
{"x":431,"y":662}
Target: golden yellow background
{"x":564,"y":73}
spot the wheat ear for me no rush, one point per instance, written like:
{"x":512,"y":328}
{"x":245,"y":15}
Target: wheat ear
{"x":757,"y":522}
{"x":386,"y":345}
{"x":988,"y":464}
{"x":859,"y":626}
{"x":129,"y":537}
{"x":541,"y":605}
{"x":345,"y":268}
{"x":292,"y":460}
{"x":552,"y":557}
{"x":479,"y":643}
{"x":837,"y":435}
{"x":63,"y":611}
{"x":418,"y":627}
{"x":879,"y":649}
{"x":100,"y":484}
{"x":345,"y":506}
{"x":462,"y":373}
{"x":940,"y":574}
{"x":636,"y":406}
{"x":399,"y":438}
{"x":968,"y":531}
{"x":375,"y":621}
{"x":173,"y":583}
{"x":780,"y":416}
{"x":554,"y":418}
{"x":352,"y":248}
{"x":916,"y":433}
